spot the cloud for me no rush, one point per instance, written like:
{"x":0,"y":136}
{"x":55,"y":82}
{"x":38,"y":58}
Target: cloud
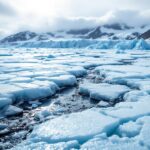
{"x":8,"y":17}
{"x":6,"y":10}
{"x":130,"y":17}
{"x":50,"y":15}
{"x":101,"y":7}
{"x":74,"y":23}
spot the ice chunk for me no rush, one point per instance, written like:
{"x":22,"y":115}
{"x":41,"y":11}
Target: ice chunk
{"x":46,"y":146}
{"x":3,"y":126}
{"x":21,"y":80}
{"x":77,"y":126}
{"x":50,"y":56}
{"x":103,"y":91}
{"x":138,"y":130}
{"x":112,"y":143}
{"x":12,"y":110}
{"x":145,"y":131}
{"x":49,"y":84}
{"x":77,"y":71}
{"x":29,"y":91}
{"x":103,"y":104}
{"x":34,"y":93}
{"x":5,"y":102}
{"x":130,"y":110}
{"x":8,"y":88}
{"x":135,"y":95}
{"x":20,"y":134}
{"x":122,"y":74}
{"x":129,"y":129}
{"x":64,"y":80}
{"x":142,"y":84}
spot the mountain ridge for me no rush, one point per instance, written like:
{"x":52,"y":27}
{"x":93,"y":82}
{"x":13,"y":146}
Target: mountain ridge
{"x":109,"y":31}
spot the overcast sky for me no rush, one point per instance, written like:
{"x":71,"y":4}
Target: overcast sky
{"x":49,"y":15}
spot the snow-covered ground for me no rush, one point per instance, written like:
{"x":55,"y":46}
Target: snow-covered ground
{"x":115,"y":78}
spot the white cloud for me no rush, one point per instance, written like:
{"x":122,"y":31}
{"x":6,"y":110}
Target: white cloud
{"x":130,"y":17}
{"x":48,"y":15}
{"x":6,"y":9}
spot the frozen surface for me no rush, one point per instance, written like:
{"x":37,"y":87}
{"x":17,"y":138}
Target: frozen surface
{"x":46,"y":146}
{"x":97,"y":129}
{"x":29,"y":75}
{"x":12,"y":110}
{"x":129,"y":110}
{"x":125,"y":126}
{"x":64,"y":81}
{"x":73,"y":127}
{"x":113,"y":143}
{"x":4,"y":102}
{"x":103,"y":91}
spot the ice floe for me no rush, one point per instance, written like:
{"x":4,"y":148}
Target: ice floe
{"x":103,"y":91}
{"x":31,"y":75}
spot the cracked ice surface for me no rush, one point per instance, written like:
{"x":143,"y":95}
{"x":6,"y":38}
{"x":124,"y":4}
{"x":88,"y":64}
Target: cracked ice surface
{"x":126,"y":126}
{"x":29,"y":74}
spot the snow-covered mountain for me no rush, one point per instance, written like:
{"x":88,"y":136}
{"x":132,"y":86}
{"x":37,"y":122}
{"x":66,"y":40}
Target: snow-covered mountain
{"x":26,"y":36}
{"x":21,"y":36}
{"x":109,"y":31}
{"x":145,"y":35}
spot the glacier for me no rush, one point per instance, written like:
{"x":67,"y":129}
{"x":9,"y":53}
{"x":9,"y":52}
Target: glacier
{"x":136,"y":44}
